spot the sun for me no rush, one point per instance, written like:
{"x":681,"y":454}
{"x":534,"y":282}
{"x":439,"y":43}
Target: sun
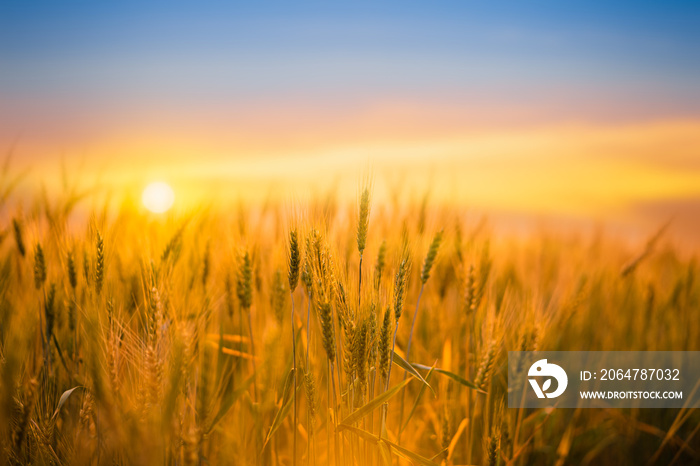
{"x":158,"y":197}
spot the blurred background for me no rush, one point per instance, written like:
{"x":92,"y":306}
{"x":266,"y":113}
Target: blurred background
{"x":574,"y":115}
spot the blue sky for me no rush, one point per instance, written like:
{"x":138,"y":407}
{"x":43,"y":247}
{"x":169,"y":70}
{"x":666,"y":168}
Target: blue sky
{"x":170,"y":52}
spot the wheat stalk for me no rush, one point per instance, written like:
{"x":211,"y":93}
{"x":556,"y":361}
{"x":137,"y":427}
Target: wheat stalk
{"x":244,"y":291}
{"x":400,"y":283}
{"x":425,"y":275}
{"x":362,"y":228}
{"x":294,"y":261}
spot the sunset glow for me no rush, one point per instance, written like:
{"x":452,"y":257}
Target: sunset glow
{"x":158,"y":197}
{"x":587,"y":111}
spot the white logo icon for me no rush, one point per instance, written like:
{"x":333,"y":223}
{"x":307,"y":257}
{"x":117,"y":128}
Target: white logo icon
{"x":542,"y":369}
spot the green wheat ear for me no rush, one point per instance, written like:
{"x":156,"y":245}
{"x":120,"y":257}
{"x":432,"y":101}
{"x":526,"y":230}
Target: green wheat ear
{"x":17,"y":227}
{"x":99,"y":264}
{"x":360,"y":348}
{"x":72,"y":273}
{"x":228,"y":287}
{"x":400,"y":283}
{"x":363,"y":222}
{"x":430,"y":257}
{"x":379,"y":265}
{"x":244,"y":288}
{"x":385,"y":343}
{"x":483,"y":374}
{"x":493,"y":446}
{"x":50,"y":309}
{"x":310,"y":389}
{"x":39,"y":266}
{"x":294,"y":260}
{"x":278,"y":298}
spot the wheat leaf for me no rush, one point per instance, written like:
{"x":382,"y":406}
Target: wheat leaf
{"x":284,"y":409}
{"x":229,"y":401}
{"x":453,"y":376}
{"x":372,"y":405}
{"x":63,"y":399}
{"x":415,"y":404}
{"x":403,"y":364}
{"x":401,"y":451}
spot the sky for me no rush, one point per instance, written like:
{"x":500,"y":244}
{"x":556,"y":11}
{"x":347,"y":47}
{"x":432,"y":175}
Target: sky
{"x":538,"y":106}
{"x":589,"y":61}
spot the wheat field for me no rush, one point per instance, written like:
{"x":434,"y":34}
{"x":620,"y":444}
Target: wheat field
{"x":319,"y":332}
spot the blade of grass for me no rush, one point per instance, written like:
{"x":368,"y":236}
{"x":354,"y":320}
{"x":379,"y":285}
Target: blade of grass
{"x":385,"y":454}
{"x":457,"y":378}
{"x":455,"y":438}
{"x":401,"y":362}
{"x":229,"y":401}
{"x":409,"y":455}
{"x":398,"y":449}
{"x":371,"y":406}
{"x":438,"y":454}
{"x":284,"y":408}
{"x":415,"y":404}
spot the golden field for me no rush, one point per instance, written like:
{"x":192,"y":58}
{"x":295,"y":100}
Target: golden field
{"x":262,"y":333}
